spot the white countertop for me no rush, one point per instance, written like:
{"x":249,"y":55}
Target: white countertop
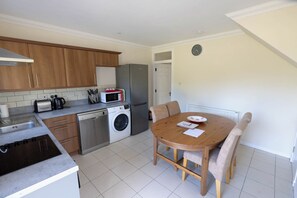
{"x":31,"y":178}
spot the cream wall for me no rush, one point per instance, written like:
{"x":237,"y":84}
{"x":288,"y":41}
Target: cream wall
{"x":238,"y":73}
{"x":131,"y":53}
{"x":276,"y":28}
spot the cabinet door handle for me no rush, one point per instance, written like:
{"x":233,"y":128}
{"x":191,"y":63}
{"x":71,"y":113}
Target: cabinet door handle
{"x":29,"y":80}
{"x":37,"y":80}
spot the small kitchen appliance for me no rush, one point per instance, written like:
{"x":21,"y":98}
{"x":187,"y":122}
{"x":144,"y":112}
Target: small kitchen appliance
{"x":111,"y":96}
{"x":58,"y":102}
{"x":42,"y":105}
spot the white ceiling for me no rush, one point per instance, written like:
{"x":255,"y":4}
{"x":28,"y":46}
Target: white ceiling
{"x":145,"y":22}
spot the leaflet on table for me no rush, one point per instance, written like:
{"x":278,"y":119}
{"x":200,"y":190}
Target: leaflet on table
{"x":194,"y":132}
{"x":188,"y":125}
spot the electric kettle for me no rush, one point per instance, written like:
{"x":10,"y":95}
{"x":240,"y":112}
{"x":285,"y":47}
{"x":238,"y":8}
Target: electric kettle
{"x":58,"y":102}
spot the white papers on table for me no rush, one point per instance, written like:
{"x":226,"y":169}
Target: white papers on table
{"x":194,"y":132}
{"x":188,"y":125}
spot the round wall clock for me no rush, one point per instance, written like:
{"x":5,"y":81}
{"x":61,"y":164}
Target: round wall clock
{"x":196,"y":50}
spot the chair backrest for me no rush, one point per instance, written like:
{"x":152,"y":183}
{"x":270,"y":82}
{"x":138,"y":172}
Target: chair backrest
{"x":230,"y":145}
{"x":173,"y":108}
{"x":226,"y":152}
{"x":159,"y":112}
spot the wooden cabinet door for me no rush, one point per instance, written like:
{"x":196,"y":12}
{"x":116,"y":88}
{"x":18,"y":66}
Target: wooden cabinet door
{"x":80,"y":68}
{"x":106,"y":59}
{"x":17,"y":77}
{"x":48,"y":67}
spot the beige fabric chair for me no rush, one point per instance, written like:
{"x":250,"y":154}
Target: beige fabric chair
{"x":247,"y":118}
{"x":220,"y":159}
{"x":159,"y":112}
{"x":173,"y":108}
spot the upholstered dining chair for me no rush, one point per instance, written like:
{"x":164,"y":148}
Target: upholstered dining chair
{"x":173,"y":108}
{"x":159,"y":112}
{"x":245,"y":120}
{"x":220,"y":159}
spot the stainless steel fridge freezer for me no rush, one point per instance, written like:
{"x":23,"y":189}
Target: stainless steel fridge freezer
{"x":133,"y":78}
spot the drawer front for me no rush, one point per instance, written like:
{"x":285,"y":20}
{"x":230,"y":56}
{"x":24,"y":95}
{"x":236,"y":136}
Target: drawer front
{"x":52,"y":122}
{"x":71,"y":145}
{"x":65,"y":131}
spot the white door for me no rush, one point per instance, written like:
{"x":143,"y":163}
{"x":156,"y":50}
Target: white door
{"x":162,"y":83}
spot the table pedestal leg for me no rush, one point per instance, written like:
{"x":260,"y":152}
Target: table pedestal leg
{"x":155,"y":149}
{"x":204,"y":173}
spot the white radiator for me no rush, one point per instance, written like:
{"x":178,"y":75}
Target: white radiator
{"x":231,"y":114}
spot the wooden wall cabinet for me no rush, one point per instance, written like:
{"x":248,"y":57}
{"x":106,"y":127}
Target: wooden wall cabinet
{"x":55,"y":66}
{"x":16,"y":77}
{"x":106,"y":59}
{"x":80,"y":68}
{"x":65,"y":129}
{"x":48,"y":67}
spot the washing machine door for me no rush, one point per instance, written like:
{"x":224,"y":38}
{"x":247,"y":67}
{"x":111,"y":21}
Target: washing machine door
{"x":120,"y":122}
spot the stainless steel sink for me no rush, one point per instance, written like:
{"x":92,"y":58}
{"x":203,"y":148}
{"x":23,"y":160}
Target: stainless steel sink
{"x":18,"y":123}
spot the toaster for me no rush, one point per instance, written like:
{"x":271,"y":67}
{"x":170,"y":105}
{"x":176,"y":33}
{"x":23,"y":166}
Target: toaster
{"x":42,"y":105}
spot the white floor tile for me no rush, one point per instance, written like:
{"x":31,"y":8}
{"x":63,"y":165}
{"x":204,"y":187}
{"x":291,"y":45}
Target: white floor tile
{"x":237,"y":181}
{"x":82,"y":178}
{"x":154,"y":170}
{"x":242,"y":149}
{"x":263,"y":166}
{"x":123,"y":170}
{"x":139,"y":161}
{"x":138,"y":180}
{"x":283,"y":186}
{"x":116,"y":147}
{"x":173,"y":196}
{"x":94,"y":170}
{"x":246,"y":195}
{"x":264,"y":156}
{"x":128,"y":153}
{"x":105,"y":181}
{"x":112,"y":162}
{"x":120,"y":190}
{"x":88,"y":191}
{"x":84,"y":161}
{"x":241,"y":169}
{"x":261,"y":177}
{"x":283,"y":162}
{"x":103,"y":153}
{"x":283,"y":195}
{"x":188,"y":190}
{"x":137,"y":196}
{"x":284,"y":173}
{"x":258,"y":190}
{"x":154,"y":190}
{"x":140,"y":147}
{"x":170,"y":179}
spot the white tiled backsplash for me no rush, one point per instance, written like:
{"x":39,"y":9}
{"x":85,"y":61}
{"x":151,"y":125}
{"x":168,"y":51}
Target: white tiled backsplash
{"x":26,"y":98}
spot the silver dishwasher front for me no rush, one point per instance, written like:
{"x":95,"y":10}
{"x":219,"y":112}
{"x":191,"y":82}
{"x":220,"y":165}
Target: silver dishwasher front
{"x":93,"y":130}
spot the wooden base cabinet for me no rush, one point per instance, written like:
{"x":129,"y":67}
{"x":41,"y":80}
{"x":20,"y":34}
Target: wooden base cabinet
{"x":65,"y":129}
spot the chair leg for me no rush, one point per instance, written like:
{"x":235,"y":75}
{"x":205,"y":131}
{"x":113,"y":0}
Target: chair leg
{"x":232,"y":166}
{"x":175,"y":157}
{"x":228,"y":175}
{"x":218,"y":188}
{"x":167,"y":148}
{"x":185,"y":164}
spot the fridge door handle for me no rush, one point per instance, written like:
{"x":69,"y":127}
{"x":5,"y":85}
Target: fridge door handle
{"x":139,"y":104}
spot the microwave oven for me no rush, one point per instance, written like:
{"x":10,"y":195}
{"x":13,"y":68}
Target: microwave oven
{"x":111,"y":96}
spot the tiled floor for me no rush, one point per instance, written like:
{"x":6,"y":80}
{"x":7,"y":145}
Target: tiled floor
{"x":124,"y":169}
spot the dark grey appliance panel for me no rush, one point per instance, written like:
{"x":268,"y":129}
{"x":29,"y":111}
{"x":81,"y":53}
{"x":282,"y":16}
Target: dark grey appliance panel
{"x":123,"y":79}
{"x":139,"y":84}
{"x":139,"y":118}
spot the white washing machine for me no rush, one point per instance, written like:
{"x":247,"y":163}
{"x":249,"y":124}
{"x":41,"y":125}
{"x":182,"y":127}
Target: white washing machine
{"x":119,"y":122}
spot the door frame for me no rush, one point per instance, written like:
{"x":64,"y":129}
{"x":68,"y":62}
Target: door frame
{"x":157,"y":65}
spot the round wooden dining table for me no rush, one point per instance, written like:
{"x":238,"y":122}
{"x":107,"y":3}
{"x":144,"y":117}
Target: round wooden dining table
{"x":216,"y":129}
